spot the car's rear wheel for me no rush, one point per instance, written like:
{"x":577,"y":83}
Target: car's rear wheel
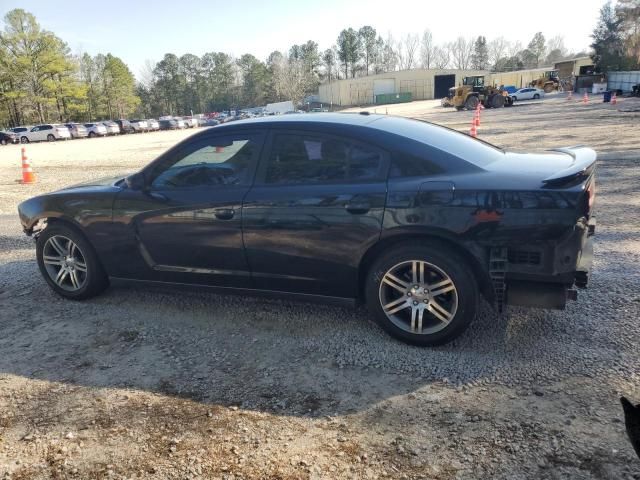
{"x":69,"y":263}
{"x":3,"y":141}
{"x":92,"y":134}
{"x":422,"y":294}
{"x":536,"y":96}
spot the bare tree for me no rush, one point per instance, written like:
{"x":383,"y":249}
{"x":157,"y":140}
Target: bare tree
{"x":291,"y":78}
{"x":388,"y":55}
{"x":406,"y":50}
{"x":460,"y":52}
{"x":497,"y":49}
{"x":427,"y":48}
{"x":514,"y":48}
{"x":440,"y":57}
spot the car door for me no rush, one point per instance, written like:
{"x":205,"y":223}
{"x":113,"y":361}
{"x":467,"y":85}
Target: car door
{"x":34,"y":134}
{"x":316,"y":206}
{"x":185,"y":224}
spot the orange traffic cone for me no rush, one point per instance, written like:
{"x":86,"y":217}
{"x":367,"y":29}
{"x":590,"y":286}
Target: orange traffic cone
{"x":219,"y":149}
{"x":476,"y":118}
{"x":585,"y":98}
{"x":614,"y":99}
{"x":27,"y":172}
{"x":474,"y":131}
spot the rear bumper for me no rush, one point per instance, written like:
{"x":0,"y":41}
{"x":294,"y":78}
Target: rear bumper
{"x":552,"y":285}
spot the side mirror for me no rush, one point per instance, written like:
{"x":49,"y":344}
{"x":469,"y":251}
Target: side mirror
{"x":135,"y":181}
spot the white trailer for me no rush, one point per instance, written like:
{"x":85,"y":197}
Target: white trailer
{"x":279,"y":107}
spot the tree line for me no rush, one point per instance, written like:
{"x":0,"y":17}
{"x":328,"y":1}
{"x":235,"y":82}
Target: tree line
{"x":41,"y":80}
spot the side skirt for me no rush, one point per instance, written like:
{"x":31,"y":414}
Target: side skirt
{"x":274,"y":294}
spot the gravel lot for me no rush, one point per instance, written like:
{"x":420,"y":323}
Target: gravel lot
{"x":161,"y":384}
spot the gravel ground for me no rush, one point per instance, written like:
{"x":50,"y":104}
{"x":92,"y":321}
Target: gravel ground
{"x":162,"y":384}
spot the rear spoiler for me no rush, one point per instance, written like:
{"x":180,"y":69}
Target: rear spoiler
{"x":584,"y":162}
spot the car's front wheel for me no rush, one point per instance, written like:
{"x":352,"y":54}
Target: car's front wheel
{"x":69,"y":263}
{"x":24,"y":140}
{"x":422,"y":294}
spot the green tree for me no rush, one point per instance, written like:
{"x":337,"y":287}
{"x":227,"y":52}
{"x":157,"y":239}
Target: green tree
{"x":255,"y":79}
{"x":536,"y":49}
{"x":608,"y":45}
{"x":368,"y":37}
{"x":349,"y":50}
{"x":38,"y":70}
{"x":628,"y":12}
{"x":480,"y":56}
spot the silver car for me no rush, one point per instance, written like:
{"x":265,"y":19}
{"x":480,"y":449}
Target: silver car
{"x":112,"y":128}
{"x":76,"y":130}
{"x":96,"y":129}
{"x":153,"y":125}
{"x":139,"y":126}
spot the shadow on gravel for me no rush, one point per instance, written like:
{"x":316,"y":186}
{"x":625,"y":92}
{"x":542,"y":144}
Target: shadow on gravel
{"x":283,"y":357}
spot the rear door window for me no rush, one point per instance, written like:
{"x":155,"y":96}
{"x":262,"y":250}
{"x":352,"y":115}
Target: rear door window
{"x":300,"y":158}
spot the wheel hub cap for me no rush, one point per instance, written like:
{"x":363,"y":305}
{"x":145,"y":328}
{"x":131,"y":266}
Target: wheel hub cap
{"x":64,"y":262}
{"x":418,"y":297}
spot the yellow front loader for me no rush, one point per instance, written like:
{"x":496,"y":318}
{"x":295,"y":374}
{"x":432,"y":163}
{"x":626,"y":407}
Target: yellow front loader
{"x":472,"y":92}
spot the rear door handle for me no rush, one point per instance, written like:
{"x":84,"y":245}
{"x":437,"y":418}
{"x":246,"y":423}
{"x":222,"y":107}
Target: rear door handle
{"x":224,"y":213}
{"x":357,"y":208}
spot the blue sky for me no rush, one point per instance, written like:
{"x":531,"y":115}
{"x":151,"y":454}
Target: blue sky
{"x":141,"y":30}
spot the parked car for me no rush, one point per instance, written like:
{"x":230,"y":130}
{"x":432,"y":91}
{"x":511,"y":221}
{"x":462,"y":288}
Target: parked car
{"x":96,"y":129}
{"x":414,"y":219}
{"x":139,"y":126}
{"x":112,"y":128}
{"x":211,"y":122}
{"x":76,"y":130}
{"x":180,"y":123}
{"x":154,"y":126}
{"x":527,"y":94}
{"x":8,"y":137}
{"x":125,"y":126}
{"x":168,"y":124}
{"x":20,"y":130}
{"x":190,"y":122}
{"x":48,"y":131}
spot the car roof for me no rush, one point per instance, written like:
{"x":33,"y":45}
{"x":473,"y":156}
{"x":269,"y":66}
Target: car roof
{"x":354,"y":119}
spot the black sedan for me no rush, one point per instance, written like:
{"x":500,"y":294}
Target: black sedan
{"x":414,"y":219}
{"x":8,"y":137}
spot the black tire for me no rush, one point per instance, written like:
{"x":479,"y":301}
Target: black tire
{"x":95,"y":280}
{"x":459,"y":108}
{"x":514,"y":98}
{"x":471,"y":103}
{"x":3,"y":141}
{"x":51,"y":138}
{"x":536,"y":96}
{"x":497,"y":101}
{"x":92,"y":134}
{"x":24,"y":140}
{"x":440,"y":258}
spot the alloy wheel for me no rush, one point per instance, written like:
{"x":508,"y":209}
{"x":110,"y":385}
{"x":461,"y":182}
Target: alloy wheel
{"x":418,"y":297}
{"x":65,"y":263}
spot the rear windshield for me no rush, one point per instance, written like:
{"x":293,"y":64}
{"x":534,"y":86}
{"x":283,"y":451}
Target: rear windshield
{"x":472,"y":150}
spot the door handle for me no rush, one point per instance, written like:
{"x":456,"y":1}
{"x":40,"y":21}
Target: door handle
{"x":224,"y":213}
{"x":357,"y":208}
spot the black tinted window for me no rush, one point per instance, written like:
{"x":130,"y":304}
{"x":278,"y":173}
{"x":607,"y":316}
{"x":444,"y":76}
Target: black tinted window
{"x":216,"y":162}
{"x":319,"y":159}
{"x":405,"y":165}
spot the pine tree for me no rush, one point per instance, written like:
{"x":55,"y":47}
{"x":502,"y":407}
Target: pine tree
{"x":480,"y":57}
{"x":608,"y":45}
